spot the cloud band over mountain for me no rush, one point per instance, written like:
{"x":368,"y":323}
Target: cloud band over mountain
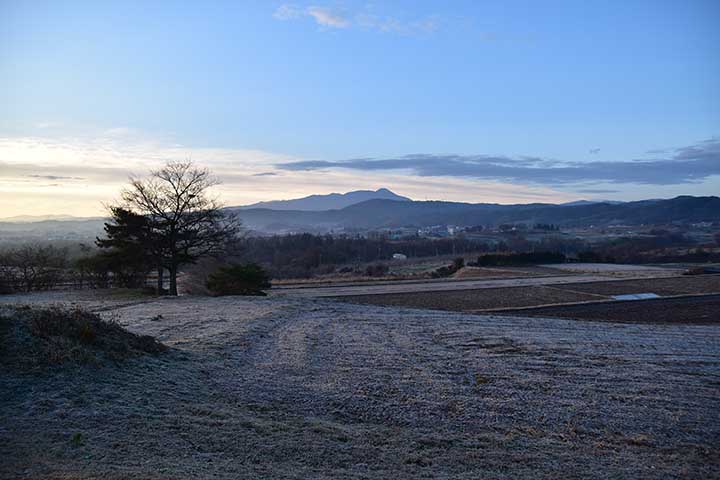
{"x":690,"y":164}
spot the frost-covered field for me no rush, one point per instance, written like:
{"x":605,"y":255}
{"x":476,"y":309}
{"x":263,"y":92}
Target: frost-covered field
{"x":617,"y":269}
{"x":303,"y":388}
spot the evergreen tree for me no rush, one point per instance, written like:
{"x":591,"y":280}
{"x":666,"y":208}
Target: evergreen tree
{"x":131,"y":247}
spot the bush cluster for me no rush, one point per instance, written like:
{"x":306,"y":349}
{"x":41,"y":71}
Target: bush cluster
{"x":377,"y":270}
{"x":238,"y":279}
{"x":448,"y":270}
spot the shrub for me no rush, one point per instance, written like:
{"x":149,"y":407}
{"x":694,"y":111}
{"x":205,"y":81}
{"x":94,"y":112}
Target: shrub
{"x":35,"y":337}
{"x":448,"y":270}
{"x":111,"y":268}
{"x":377,"y":270}
{"x":93,"y":271}
{"x":458,"y":263}
{"x":239,"y":279}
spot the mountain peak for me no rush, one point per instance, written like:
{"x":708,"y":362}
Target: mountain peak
{"x":590,"y":202}
{"x":331,"y":201}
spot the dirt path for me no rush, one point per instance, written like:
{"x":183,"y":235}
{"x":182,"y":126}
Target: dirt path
{"x":302,"y":388}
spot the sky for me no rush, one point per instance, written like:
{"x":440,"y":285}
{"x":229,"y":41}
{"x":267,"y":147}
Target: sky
{"x":478,"y":101}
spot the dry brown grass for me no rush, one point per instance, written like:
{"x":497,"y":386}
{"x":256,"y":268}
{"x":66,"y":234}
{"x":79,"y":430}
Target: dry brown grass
{"x":50,"y":336}
{"x":483,"y":272}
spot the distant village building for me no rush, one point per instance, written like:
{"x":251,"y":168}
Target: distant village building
{"x":454,"y":230}
{"x":393,"y":233}
{"x":403,"y":232}
{"x":435,"y":231}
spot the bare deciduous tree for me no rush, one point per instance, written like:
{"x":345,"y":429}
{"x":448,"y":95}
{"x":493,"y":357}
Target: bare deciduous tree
{"x":186,"y":220}
{"x":32,"y":267}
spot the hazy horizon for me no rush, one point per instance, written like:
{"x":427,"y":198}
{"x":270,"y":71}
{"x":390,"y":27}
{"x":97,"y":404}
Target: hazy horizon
{"x":104,"y":214}
{"x":500,"y":102}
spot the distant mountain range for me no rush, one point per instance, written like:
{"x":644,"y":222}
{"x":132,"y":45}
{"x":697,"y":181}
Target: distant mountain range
{"x":380,"y":213}
{"x":43,"y":218}
{"x":590,"y":202}
{"x":399,"y":211}
{"x":332,"y":201}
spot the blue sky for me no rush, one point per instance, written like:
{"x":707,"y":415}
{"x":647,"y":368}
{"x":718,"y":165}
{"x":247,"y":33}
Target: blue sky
{"x":304,"y":89}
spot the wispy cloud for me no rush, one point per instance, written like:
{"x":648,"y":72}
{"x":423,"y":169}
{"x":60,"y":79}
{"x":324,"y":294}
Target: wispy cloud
{"x":390,"y":24}
{"x":597,"y":190}
{"x":691,"y":164}
{"x":323,"y":16}
{"x":101,"y":162}
{"x":328,"y":18}
{"x":335,"y":18}
{"x":55,"y":177}
{"x":41,"y":175}
{"x":288,"y":12}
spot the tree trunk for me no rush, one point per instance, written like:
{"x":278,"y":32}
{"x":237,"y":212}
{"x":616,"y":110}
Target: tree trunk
{"x":173,"y":279}
{"x":160,"y":280}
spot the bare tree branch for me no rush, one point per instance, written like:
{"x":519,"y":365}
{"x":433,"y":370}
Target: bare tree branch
{"x":189,"y":223}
